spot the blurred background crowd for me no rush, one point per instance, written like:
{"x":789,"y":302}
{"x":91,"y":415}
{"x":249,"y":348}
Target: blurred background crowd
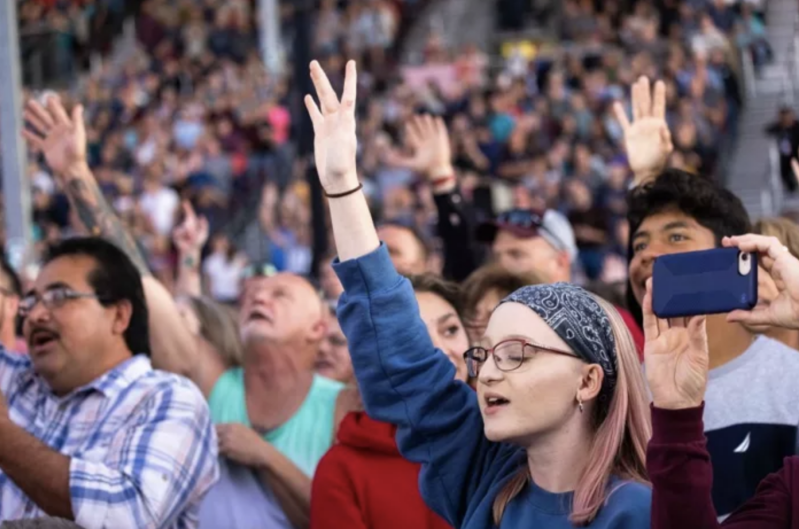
{"x":186,"y":110}
{"x":198,"y":139}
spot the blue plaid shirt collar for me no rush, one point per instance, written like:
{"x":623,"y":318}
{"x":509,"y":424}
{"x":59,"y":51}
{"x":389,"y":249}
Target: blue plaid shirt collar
{"x":109,"y":384}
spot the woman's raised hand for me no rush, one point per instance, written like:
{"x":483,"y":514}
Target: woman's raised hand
{"x":676,"y":356}
{"x":333,"y":120}
{"x":335,"y":147}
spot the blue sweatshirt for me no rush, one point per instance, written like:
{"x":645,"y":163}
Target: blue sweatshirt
{"x":406,"y":382}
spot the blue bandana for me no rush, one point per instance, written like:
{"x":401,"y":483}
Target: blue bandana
{"x":579,"y":320}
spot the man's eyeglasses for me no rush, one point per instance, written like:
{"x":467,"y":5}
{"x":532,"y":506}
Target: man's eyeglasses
{"x":7,"y":292}
{"x":509,"y":355}
{"x":52,"y":299}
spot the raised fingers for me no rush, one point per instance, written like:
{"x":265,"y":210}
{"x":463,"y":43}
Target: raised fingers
{"x":56,"y":109}
{"x":770,"y":246}
{"x":659,"y":100}
{"x":350,"y":93}
{"x":324,"y":90}
{"x":621,"y":116}
{"x":651,"y":328}
{"x":317,"y":119}
{"x":35,"y":142}
{"x":39,"y":118}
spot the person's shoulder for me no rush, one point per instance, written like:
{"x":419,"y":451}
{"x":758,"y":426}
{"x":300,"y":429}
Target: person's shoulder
{"x":774,"y":356}
{"x":630,"y":499}
{"x":14,"y":359}
{"x":181,"y":390}
{"x":767,"y":345}
{"x":325,"y":387}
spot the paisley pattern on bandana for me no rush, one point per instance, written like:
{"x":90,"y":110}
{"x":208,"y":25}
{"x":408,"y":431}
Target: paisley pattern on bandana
{"x":579,"y":320}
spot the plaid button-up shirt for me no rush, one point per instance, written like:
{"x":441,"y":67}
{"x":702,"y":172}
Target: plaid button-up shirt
{"x":142,"y":446}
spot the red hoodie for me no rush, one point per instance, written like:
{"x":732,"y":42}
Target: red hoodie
{"x":364,"y":483}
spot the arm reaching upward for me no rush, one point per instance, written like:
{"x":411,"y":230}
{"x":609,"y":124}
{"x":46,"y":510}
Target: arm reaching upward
{"x":62,"y":140}
{"x":334,"y":149}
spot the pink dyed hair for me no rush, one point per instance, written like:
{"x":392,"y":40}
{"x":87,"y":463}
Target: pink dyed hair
{"x":619,"y":444}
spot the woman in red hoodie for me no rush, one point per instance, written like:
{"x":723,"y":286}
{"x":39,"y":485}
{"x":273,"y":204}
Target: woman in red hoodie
{"x":363,"y":481}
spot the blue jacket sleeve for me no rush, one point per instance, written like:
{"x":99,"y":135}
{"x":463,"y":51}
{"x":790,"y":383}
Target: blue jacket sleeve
{"x":405,"y":381}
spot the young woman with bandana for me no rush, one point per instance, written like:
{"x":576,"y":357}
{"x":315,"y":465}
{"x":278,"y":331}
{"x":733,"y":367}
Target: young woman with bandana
{"x":560,"y":399}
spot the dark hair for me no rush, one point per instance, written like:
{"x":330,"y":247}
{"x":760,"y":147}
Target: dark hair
{"x":493,"y":277}
{"x":423,"y":244}
{"x":450,"y":292}
{"x":8,"y":271}
{"x":709,"y":204}
{"x":113,"y":279}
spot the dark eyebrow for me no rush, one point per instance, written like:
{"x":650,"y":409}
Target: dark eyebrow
{"x":57,"y":285}
{"x":445,"y":317}
{"x":677,"y":224}
{"x":50,"y":286}
{"x":486,"y":341}
{"x":639,"y":235}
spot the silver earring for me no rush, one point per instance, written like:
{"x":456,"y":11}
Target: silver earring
{"x":580,"y":403}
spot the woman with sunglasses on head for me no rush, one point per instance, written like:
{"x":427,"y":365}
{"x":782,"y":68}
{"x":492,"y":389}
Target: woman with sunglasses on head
{"x":560,"y":400}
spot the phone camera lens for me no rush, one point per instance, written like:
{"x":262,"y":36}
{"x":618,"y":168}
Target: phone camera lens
{"x":746,"y":257}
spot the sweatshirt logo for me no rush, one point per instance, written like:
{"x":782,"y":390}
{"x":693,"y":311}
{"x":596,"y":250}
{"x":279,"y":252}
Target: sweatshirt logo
{"x":743,"y":447}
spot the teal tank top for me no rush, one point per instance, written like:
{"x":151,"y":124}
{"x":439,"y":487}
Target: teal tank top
{"x":304,"y":438}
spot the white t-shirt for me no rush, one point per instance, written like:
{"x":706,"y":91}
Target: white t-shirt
{"x":224,"y":276}
{"x":160,"y":207}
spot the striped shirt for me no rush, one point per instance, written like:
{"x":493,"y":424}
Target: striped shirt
{"x":142,"y":446}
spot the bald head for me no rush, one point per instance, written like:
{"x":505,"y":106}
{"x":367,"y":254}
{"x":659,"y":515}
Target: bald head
{"x":283,"y":309}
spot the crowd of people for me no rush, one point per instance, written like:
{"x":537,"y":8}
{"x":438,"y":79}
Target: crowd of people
{"x":59,"y":38}
{"x":479,"y":349}
{"x":256,"y":418}
{"x":195,"y":116}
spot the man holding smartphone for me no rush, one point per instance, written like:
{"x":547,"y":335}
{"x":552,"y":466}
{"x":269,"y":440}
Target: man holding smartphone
{"x":751,"y":418}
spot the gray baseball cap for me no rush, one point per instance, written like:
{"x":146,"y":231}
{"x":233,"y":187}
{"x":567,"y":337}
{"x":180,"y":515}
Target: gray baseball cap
{"x":550,"y":225}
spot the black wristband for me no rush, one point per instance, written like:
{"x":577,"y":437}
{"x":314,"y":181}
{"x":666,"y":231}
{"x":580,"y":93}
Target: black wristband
{"x":345,"y":193}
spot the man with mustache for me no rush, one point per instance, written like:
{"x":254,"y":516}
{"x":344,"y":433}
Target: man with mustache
{"x":274,"y":416}
{"x":88,"y":430}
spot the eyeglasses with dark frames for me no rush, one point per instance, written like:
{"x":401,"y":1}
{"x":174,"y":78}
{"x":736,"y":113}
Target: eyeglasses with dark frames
{"x":508,"y":355}
{"x":52,"y":299}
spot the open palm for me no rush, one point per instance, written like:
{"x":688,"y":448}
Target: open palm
{"x":335,"y":142}
{"x":428,"y":138}
{"x":676,"y":356}
{"x":647,"y":139}
{"x":60,"y":137}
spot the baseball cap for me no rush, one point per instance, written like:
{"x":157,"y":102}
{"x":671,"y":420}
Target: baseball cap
{"x":527,"y":223}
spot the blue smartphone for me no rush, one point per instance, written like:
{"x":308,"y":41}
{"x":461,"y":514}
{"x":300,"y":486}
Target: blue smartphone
{"x":707,"y":282}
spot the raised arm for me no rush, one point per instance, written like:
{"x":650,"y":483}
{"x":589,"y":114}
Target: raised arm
{"x":189,"y":238}
{"x":677,"y":459}
{"x":62,"y":140}
{"x":402,"y":378}
{"x":647,"y":139}
{"x":432,"y":158}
